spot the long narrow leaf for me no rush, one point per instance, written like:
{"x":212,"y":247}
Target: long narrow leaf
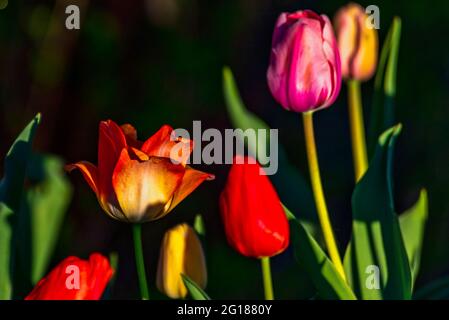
{"x":11,"y":193}
{"x":195,"y":291}
{"x":320,"y":269}
{"x":412,"y":223}
{"x":376,"y":236}
{"x":382,"y":112}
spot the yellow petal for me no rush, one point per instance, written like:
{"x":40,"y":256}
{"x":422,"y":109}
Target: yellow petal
{"x":145,"y":189}
{"x":181,"y":253}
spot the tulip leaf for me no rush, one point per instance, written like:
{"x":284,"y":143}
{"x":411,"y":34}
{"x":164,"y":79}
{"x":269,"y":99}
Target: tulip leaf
{"x":5,"y":252}
{"x":313,"y":259}
{"x":199,"y":226}
{"x":382,"y":113}
{"x":293,"y":189}
{"x":11,"y":192}
{"x":412,"y":223}
{"x":377,"y":261}
{"x":46,"y":202}
{"x":436,"y":290}
{"x":195,"y":291}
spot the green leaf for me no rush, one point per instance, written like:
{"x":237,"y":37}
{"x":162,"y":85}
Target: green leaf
{"x":199,"y":226}
{"x":412,"y":223}
{"x":39,"y":220}
{"x":195,"y":291}
{"x":376,"y":235}
{"x":293,"y":189}
{"x":47,"y":201}
{"x":382,"y":112}
{"x":16,"y":162}
{"x":11,"y":192}
{"x":320,"y":269}
{"x":5,"y":252}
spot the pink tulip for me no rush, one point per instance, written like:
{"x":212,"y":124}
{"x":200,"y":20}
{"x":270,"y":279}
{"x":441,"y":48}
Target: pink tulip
{"x":304,"y":73}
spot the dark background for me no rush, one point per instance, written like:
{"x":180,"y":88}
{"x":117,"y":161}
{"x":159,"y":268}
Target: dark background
{"x":160,"y":61}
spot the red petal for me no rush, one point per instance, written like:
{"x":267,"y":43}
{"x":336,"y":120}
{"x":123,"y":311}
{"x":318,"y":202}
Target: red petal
{"x":110,"y":144}
{"x":163,"y":142}
{"x":89,"y":171}
{"x":191,"y":180}
{"x":254,"y":220}
{"x":94,"y":275}
{"x":131,"y":135}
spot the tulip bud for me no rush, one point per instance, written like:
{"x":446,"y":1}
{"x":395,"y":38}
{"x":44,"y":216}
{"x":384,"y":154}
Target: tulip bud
{"x":357,"y":43}
{"x":181,"y":253}
{"x":74,"y":279}
{"x":304,"y":72}
{"x":254,"y":220}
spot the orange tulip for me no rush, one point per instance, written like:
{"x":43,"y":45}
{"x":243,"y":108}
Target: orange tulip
{"x":357,"y":43}
{"x":140,"y":181}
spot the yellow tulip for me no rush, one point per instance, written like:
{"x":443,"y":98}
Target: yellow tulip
{"x":181,"y":253}
{"x":357,"y":43}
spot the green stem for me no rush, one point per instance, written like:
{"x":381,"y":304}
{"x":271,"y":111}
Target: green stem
{"x":266,"y":274}
{"x":357,"y":129}
{"x":140,"y":263}
{"x":317,"y":187}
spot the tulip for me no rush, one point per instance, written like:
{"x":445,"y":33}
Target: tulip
{"x":304,"y":76}
{"x":254,"y":220}
{"x":181,"y":253}
{"x":74,"y":279}
{"x":357,"y":43}
{"x":140,"y":181}
{"x":304,"y":72}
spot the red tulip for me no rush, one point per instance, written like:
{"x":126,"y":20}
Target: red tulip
{"x":254,"y":220}
{"x":304,"y":72}
{"x":74,"y":279}
{"x":140,"y":181}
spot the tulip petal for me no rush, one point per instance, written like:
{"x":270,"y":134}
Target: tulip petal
{"x":89,"y":171}
{"x":87,"y":279}
{"x":145,"y":189}
{"x":90,"y":174}
{"x":131,"y":135}
{"x":357,"y":42}
{"x":111,"y":141}
{"x":181,"y":253}
{"x":191,"y":180}
{"x":195,"y":263}
{"x":304,"y":71}
{"x":165,"y":144}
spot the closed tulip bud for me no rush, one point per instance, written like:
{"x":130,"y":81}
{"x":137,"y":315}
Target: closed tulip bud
{"x":181,"y":253}
{"x":74,"y":279}
{"x":254,"y":220}
{"x":357,"y":42}
{"x":139,"y":181}
{"x":304,"y":72}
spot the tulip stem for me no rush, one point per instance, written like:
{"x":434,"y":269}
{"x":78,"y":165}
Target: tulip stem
{"x":357,"y":129}
{"x":140,"y":263}
{"x":317,"y":187}
{"x":266,"y":274}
